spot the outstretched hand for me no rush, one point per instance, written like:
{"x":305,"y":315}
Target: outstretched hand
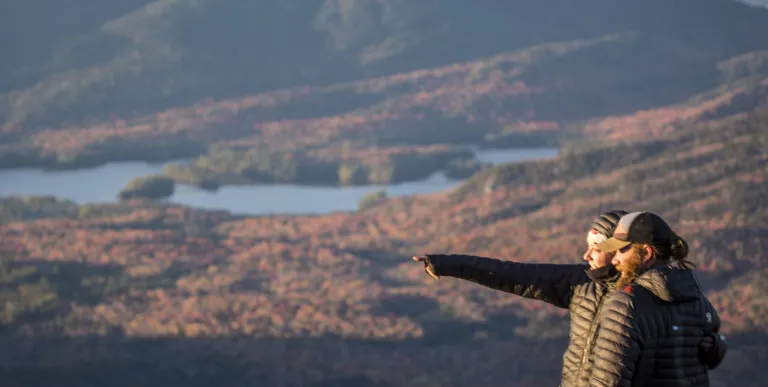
{"x":429,"y":271}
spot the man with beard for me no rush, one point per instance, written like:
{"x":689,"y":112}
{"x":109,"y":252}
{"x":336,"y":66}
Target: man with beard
{"x":649,"y":328}
{"x":578,"y":287}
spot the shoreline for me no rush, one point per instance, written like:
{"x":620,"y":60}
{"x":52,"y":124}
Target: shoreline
{"x":14,"y":156}
{"x":455,"y":162}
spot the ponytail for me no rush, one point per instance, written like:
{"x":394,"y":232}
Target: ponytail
{"x":678,"y":249}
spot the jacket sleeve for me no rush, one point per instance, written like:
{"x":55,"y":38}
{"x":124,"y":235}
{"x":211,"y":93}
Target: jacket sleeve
{"x":550,"y":283}
{"x":715,"y":356}
{"x":618,"y":344}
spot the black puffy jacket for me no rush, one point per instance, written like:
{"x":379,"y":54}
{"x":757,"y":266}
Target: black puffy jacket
{"x":650,"y":331}
{"x":573,"y":287}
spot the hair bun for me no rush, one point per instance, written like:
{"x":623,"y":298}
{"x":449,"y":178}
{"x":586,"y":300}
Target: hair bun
{"x":678,"y":248}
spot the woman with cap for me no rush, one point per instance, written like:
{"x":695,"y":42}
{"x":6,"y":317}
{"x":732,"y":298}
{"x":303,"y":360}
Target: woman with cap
{"x":581,"y":288}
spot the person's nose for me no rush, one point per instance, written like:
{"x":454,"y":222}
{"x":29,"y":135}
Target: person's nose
{"x":586,"y":255}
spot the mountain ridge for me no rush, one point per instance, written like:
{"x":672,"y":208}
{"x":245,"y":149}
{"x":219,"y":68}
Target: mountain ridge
{"x":183,"y":59}
{"x":501,"y":99}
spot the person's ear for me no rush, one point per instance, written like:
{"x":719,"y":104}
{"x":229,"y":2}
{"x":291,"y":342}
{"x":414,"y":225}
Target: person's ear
{"x":648,"y":253}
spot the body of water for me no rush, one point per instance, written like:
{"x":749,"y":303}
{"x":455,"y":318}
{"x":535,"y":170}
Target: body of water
{"x":101,"y":184}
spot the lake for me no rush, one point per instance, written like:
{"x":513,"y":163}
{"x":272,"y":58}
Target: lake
{"x":101,"y":184}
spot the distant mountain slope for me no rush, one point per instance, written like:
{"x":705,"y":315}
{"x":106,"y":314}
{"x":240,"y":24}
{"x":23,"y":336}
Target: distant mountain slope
{"x":95,"y":59}
{"x":502,"y":100}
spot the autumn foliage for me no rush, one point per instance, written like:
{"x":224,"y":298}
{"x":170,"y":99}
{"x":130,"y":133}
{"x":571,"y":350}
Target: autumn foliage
{"x":345,"y":280}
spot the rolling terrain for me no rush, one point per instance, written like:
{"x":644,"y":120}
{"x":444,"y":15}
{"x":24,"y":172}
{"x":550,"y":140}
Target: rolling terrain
{"x":170,"y":78}
{"x":658,"y":105}
{"x":189,"y":296}
{"x":90,"y":60}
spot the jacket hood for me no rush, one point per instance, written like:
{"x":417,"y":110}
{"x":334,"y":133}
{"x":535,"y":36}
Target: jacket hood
{"x":670,"y":284}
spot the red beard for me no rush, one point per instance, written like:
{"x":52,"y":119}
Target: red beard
{"x":628,"y":268}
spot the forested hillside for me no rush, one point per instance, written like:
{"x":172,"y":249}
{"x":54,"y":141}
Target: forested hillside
{"x":90,"y":63}
{"x":658,"y":104}
{"x":161,"y":295}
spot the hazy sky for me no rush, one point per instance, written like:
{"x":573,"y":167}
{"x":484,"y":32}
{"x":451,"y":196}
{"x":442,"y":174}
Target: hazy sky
{"x":757,"y":2}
